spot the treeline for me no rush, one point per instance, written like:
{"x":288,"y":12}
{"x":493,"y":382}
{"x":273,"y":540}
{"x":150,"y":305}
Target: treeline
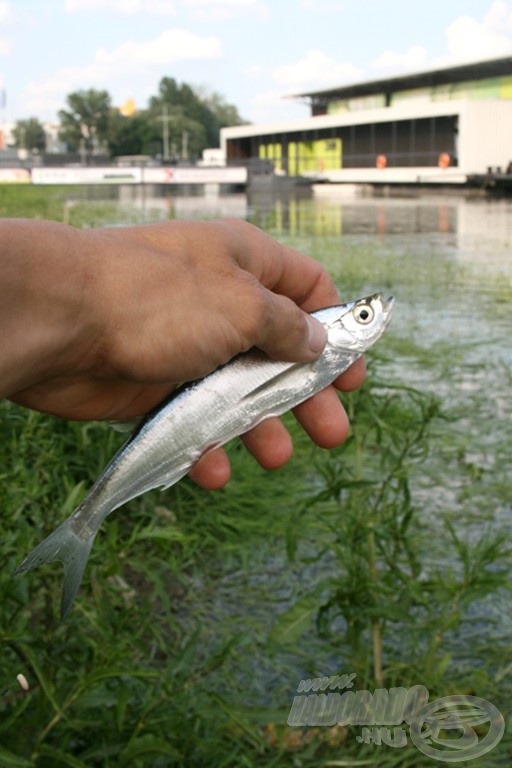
{"x":178,"y":123}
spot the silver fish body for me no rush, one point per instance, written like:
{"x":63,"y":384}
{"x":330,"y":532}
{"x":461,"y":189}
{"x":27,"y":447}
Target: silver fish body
{"x":203,"y":415}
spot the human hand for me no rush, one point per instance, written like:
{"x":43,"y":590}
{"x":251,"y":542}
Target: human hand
{"x":116,"y":318}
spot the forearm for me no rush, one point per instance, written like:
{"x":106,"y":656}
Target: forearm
{"x":46,"y":279}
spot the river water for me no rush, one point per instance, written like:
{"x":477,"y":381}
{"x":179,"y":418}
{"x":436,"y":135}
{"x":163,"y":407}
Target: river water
{"x":447,"y":259}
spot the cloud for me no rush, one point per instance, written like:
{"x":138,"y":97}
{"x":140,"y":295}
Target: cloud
{"x":6,"y":12}
{"x":414,"y":59}
{"x":323,"y":6}
{"x":232,"y":4}
{"x":117,"y":68}
{"x":172,"y":45}
{"x":6,"y":17}
{"x":270,"y":106}
{"x":316,"y":69}
{"x":125,"y":7}
{"x":206,"y":10}
{"x":220,"y":10}
{"x":469,"y":39}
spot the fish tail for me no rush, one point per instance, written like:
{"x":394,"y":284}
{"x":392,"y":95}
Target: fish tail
{"x":69,"y":548}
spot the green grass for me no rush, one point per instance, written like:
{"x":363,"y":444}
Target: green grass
{"x":80,"y":206}
{"x":143,"y":673}
{"x":200,"y":612}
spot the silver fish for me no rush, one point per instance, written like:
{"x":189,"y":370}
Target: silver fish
{"x":203,"y":415}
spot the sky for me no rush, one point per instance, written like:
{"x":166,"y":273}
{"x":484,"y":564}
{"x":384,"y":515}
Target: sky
{"x":252,"y":52}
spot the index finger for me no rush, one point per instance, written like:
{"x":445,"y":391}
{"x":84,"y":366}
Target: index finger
{"x":282,"y":269}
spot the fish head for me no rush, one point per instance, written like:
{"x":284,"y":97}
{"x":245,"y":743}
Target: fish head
{"x":358,"y":324}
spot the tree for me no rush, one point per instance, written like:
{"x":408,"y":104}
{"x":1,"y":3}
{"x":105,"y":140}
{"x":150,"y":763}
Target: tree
{"x":226,"y":114}
{"x":85,"y":124}
{"x":133,"y":135}
{"x":193,"y":121}
{"x":179,"y":122}
{"x":29,"y":134}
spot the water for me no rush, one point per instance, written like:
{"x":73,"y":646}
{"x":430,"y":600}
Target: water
{"x":448,"y":261}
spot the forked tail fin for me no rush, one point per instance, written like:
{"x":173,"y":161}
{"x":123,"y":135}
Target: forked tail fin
{"x":70,"y":549}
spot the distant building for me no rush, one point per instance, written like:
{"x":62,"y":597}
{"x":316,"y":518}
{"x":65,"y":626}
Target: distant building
{"x":6,"y":134}
{"x":438,"y":126}
{"x":53,"y":143}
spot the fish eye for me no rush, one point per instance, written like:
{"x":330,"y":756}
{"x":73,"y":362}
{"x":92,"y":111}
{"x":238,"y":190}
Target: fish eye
{"x":364,"y":314}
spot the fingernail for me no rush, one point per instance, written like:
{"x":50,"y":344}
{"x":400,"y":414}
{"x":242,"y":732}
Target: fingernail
{"x":317,"y":335}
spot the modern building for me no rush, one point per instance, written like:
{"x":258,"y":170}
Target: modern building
{"x":440,"y":126}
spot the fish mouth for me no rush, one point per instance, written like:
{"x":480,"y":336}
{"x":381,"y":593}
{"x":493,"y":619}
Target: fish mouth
{"x":386,"y":304}
{"x":387,"y":308}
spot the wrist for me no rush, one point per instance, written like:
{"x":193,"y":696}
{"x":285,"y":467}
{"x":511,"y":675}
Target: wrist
{"x":47,"y":277}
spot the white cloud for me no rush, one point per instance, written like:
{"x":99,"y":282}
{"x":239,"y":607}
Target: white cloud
{"x":221,"y":10}
{"x":48,"y":96}
{"x":469,"y":39}
{"x":114,"y":69}
{"x":6,"y":12}
{"x":323,"y":6}
{"x":204,"y":9}
{"x":6,"y":17}
{"x":233,"y":4}
{"x":125,"y":7}
{"x":172,"y":45}
{"x":414,"y":59}
{"x":270,"y":106}
{"x":316,"y":69}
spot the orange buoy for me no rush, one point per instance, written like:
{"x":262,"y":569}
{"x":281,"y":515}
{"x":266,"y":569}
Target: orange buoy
{"x":382,"y":161}
{"x":444,"y":160}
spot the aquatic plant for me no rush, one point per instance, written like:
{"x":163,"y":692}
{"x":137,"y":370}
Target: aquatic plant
{"x":200,"y":612}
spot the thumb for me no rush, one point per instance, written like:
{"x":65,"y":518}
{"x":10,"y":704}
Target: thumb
{"x":291,"y":334}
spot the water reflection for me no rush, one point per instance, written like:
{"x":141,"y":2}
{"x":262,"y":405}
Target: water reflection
{"x":448,"y":256}
{"x":335,"y":216}
{"x":158,"y":203}
{"x":332,"y":211}
{"x":448,"y":260}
